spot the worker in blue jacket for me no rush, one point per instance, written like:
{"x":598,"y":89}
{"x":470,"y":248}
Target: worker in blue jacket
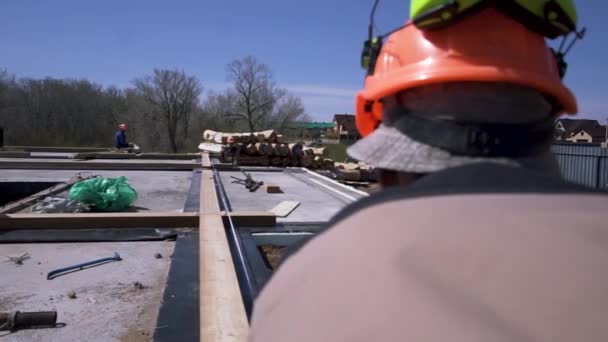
{"x":120,"y":138}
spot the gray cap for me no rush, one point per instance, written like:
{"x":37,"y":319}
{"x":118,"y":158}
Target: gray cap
{"x":387,"y":148}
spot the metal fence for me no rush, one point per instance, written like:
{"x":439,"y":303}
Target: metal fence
{"x":585,"y":164}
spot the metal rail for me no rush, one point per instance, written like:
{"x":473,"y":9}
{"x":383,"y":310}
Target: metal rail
{"x":243,"y":268}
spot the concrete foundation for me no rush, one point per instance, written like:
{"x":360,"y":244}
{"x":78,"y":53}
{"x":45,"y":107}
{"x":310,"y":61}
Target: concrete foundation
{"x":317,"y":203}
{"x":107,"y":307}
{"x":157,"y":190}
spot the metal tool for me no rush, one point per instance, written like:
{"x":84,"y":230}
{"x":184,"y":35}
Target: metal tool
{"x":17,"y":320}
{"x":248,"y":182}
{"x":55,"y":273}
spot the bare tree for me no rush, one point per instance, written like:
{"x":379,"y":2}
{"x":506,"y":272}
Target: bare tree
{"x":173,"y":96}
{"x":288,"y":109}
{"x":258,"y":100}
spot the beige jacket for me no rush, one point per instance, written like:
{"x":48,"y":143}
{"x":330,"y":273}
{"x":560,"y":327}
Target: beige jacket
{"x":460,"y":267}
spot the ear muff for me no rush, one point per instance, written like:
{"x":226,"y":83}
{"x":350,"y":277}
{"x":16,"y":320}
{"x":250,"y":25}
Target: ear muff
{"x":369,"y":55}
{"x":369,"y":114}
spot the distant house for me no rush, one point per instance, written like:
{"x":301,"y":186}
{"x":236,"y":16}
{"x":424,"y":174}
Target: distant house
{"x":308,"y":130}
{"x":345,"y":127}
{"x":580,"y":131}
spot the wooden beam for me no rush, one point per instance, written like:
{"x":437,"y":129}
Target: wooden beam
{"x":55,"y":149}
{"x":101,"y":155}
{"x":14,"y":154}
{"x":100,"y":220}
{"x":284,"y":208}
{"x":206,"y":161}
{"x":27,"y":201}
{"x":144,"y":156}
{"x":222,"y":312}
{"x":66,"y":164}
{"x":128,"y":220}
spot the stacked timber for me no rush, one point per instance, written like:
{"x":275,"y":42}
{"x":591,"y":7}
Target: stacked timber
{"x":354,"y":172}
{"x":265,"y":148}
{"x":269,"y":136}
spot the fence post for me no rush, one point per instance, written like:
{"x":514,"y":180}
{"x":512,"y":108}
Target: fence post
{"x":598,"y":173}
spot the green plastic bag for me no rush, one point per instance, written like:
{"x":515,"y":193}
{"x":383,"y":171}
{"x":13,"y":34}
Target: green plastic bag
{"x":104,"y":194}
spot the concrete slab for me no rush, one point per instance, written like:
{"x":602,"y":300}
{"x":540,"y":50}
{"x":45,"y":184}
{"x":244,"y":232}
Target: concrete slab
{"x":318,"y":203}
{"x":107,"y":307}
{"x":157,"y":190}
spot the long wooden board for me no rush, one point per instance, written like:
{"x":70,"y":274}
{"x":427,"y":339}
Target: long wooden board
{"x":222,"y":312}
{"x":144,"y":156}
{"x":55,"y":149}
{"x":285,"y":208}
{"x":206,"y":161}
{"x":14,"y":154}
{"x":65,"y":164}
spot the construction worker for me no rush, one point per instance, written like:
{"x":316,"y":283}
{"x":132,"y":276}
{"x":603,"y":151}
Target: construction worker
{"x":120,"y":138}
{"x":475,"y":237}
{"x":121,"y":142}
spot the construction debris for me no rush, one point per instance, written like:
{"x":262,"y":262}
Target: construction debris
{"x":273,"y":255}
{"x":285,"y":208}
{"x":60,"y":205}
{"x":25,"y":202}
{"x":248,"y":182}
{"x":20,"y":259}
{"x":273,"y":189}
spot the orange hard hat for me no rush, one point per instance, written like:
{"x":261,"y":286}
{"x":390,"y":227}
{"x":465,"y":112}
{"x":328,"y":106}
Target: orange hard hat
{"x":122,"y":126}
{"x":485,"y":47}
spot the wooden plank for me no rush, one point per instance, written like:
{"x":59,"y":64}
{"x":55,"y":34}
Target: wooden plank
{"x":61,"y":164}
{"x":127,"y":220}
{"x":56,"y":149}
{"x":14,"y":154}
{"x":211,"y":147}
{"x":206,"y":161}
{"x":27,"y":201}
{"x":222,"y":312}
{"x":273,"y":189}
{"x":285,"y":208}
{"x":101,"y":155}
{"x":169,"y":156}
{"x":144,"y":156}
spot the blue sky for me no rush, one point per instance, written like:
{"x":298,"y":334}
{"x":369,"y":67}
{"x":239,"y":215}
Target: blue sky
{"x":312,"y":46}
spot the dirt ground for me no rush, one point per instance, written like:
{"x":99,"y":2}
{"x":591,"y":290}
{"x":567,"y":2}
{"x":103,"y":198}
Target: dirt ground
{"x":117,"y":301}
{"x":273,"y":255}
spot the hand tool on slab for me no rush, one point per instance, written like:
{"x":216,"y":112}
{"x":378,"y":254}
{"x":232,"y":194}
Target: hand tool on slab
{"x":56,"y":273}
{"x":248,"y":182}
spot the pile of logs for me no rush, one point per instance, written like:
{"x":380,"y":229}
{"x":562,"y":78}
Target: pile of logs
{"x":266,"y":149}
{"x":242,"y":138}
{"x":355,"y":172}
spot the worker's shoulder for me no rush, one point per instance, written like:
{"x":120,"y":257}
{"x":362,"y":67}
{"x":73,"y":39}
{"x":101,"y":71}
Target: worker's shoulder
{"x":476,"y":179}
